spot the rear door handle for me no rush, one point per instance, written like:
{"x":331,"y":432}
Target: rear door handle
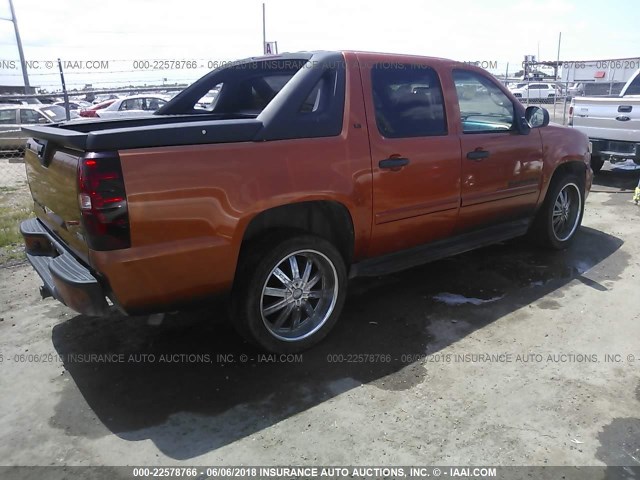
{"x":393,"y":162}
{"x":478,"y":155}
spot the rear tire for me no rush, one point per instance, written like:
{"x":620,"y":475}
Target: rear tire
{"x":596,"y":163}
{"x":560,"y":216}
{"x":289,"y":293}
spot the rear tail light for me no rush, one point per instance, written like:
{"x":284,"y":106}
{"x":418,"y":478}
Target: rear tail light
{"x":88,"y":113}
{"x":103,"y":202}
{"x":570,"y":115}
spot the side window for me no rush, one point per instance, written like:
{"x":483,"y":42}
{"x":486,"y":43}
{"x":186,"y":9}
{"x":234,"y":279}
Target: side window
{"x":208,"y":102}
{"x":31,"y":117}
{"x":8,"y":117}
{"x":408,"y":101}
{"x":263,"y":90}
{"x":312,"y":102}
{"x":132,"y":104}
{"x":154,"y":104}
{"x":483,"y":106}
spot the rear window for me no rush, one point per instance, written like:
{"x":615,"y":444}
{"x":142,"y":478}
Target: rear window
{"x":55,"y":112}
{"x":8,"y":117}
{"x":634,"y":88}
{"x":242,"y":90}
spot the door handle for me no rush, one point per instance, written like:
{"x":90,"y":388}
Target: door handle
{"x":478,"y":155}
{"x":393,"y":162}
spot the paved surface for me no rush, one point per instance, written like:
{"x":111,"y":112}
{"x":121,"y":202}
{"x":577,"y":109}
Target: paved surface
{"x":536,"y":386}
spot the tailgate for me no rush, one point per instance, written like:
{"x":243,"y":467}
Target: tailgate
{"x":52,"y":173}
{"x":608,"y":118}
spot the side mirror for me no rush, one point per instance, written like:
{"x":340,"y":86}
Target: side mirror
{"x":537,"y":117}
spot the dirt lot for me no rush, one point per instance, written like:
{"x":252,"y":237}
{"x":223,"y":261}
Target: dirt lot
{"x":536,"y":388}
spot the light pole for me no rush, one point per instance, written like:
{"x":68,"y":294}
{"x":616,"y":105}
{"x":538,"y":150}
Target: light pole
{"x":264,"y":30}
{"x":23,"y":63}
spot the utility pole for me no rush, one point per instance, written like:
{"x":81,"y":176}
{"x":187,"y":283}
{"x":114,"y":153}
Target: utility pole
{"x":264,"y":29}
{"x":23,"y":63}
{"x":64,"y":90}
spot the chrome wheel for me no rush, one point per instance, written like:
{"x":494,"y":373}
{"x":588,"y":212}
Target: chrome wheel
{"x":299,"y":295}
{"x":566,"y":212}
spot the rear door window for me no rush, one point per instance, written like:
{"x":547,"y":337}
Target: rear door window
{"x":8,"y":117}
{"x":408,"y":101}
{"x":153,"y":104}
{"x":132,"y":104}
{"x":30,"y":117}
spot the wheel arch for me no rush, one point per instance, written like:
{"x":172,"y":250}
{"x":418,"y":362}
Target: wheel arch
{"x":577,"y":167}
{"x":326,"y":219}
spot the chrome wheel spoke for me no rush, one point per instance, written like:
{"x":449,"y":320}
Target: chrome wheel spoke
{"x":283,"y":316}
{"x":276,"y":306}
{"x":307,"y":271}
{"x":295,"y":273}
{"x":316,"y":293}
{"x":309,"y":285}
{"x":557,"y":209}
{"x":308,"y":309}
{"x":295,"y":322}
{"x":280,"y":275}
{"x":275,"y":292}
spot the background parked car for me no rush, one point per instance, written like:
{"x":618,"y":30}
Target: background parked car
{"x":92,"y":111}
{"x":208,"y":101}
{"x":103,"y":98}
{"x":536,"y":91}
{"x":134,"y":106}
{"x":12,"y":117}
{"x":22,"y":101}
{"x":75,"y":106}
{"x":576,"y":90}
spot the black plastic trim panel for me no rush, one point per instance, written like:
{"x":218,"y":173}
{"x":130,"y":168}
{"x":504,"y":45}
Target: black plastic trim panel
{"x":397,"y":261}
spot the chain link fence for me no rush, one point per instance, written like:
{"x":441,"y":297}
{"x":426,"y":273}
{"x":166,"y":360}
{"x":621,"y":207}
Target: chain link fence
{"x":12,"y":144}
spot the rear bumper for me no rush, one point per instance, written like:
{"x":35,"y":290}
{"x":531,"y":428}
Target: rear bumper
{"x":64,"y":277}
{"x":615,"y":150}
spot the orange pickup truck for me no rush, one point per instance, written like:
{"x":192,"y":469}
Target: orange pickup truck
{"x":302,"y":170}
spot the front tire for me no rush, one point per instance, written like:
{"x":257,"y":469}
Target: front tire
{"x":596,"y":163}
{"x":560,"y":216}
{"x":290,"y":292}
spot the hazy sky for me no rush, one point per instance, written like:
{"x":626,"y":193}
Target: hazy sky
{"x":469,"y":30}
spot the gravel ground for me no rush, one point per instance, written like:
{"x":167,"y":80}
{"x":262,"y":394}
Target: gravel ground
{"x":505,"y":356}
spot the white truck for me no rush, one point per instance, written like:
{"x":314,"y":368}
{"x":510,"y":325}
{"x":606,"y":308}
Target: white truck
{"x":612,"y":124}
